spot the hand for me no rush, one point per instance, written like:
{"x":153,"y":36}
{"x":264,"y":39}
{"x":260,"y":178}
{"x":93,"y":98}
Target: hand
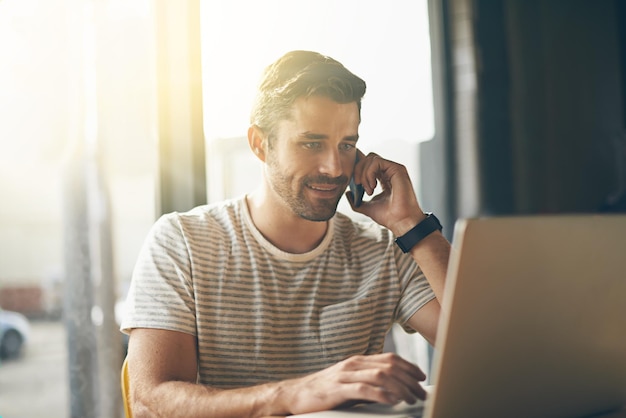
{"x":396,"y":207}
{"x":384,"y":378}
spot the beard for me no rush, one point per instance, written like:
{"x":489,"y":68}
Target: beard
{"x":318,"y":210}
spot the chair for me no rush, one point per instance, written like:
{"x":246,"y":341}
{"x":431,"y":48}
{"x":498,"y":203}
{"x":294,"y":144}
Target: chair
{"x":125,"y":389}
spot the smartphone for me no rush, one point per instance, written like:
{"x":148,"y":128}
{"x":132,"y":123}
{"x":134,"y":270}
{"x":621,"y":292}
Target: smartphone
{"x":357,"y":190}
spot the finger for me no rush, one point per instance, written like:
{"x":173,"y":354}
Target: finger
{"x":398,"y":378}
{"x":406,"y":373}
{"x":409,"y":367}
{"x":371,"y":385}
{"x":396,"y":361}
{"x":405,"y":386}
{"x":412,"y":391}
{"x":370,"y":169}
{"x":384,"y":360}
{"x":360,"y":392}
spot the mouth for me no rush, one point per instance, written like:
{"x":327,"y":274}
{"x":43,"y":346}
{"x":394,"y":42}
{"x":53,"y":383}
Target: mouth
{"x":324,"y":190}
{"x":322,"y":187}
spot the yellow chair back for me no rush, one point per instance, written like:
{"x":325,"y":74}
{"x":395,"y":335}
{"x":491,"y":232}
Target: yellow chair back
{"x":125,"y":389}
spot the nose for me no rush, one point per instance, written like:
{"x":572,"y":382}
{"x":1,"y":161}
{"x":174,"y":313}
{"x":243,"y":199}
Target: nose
{"x":331,"y":164}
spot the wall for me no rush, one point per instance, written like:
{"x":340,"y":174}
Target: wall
{"x":532,"y":103}
{"x":566,"y":103}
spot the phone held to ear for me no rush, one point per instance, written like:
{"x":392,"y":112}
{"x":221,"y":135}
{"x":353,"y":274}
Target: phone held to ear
{"x":357,"y":190}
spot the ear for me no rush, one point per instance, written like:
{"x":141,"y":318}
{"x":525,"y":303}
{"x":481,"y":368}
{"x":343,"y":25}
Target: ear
{"x":256,"y":141}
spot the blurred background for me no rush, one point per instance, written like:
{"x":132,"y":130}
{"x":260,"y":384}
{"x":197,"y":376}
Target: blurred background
{"x":113,"y":112}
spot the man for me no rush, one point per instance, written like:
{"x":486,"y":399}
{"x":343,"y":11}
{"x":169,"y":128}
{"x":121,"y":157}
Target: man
{"x":273,"y":303}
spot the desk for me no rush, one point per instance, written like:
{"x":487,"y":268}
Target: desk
{"x":617,"y":414}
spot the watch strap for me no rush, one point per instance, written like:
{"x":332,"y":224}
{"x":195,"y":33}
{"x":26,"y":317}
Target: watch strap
{"x":420,"y":231}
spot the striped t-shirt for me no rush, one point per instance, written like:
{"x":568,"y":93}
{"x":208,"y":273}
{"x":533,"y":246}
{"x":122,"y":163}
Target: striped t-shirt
{"x":261,"y":314}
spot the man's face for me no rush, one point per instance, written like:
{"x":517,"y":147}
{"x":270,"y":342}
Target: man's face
{"x":311,"y":159}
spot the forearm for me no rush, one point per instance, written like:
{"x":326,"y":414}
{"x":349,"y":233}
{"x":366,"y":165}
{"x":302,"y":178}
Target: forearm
{"x":182,"y":399}
{"x":385,"y":378}
{"x":432,"y":254}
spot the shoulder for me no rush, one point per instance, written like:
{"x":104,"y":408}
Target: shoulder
{"x":361,"y":230}
{"x":225,"y":212}
{"x":214,"y":219}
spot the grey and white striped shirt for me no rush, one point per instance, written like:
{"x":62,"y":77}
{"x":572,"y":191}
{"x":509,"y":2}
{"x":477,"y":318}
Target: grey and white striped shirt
{"x":261,"y":314}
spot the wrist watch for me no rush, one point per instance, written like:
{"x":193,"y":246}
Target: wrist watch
{"x":427,"y":226}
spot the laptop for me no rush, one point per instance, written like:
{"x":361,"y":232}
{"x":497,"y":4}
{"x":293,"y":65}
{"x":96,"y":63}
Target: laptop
{"x":533,"y":322}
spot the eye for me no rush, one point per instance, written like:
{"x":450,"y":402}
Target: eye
{"x":312,"y":145}
{"x":347,"y":146}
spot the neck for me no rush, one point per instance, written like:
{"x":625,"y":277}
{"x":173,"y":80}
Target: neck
{"x":284,"y":229}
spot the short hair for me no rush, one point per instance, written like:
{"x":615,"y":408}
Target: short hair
{"x":302,"y":74}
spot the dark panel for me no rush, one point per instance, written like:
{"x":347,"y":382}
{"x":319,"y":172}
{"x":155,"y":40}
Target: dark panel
{"x":438,"y":189}
{"x":565,"y":103}
{"x":493,"y":113}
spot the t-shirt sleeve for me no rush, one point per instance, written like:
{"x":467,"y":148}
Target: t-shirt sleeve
{"x":415,"y":289}
{"x":161,"y":291}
